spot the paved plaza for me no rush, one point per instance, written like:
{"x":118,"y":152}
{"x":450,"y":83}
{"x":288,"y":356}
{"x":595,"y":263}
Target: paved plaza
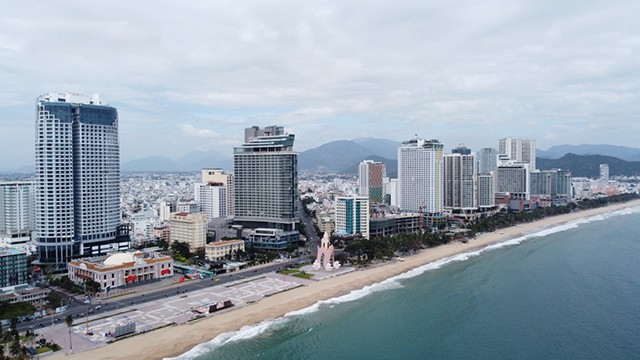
{"x":176,"y":309}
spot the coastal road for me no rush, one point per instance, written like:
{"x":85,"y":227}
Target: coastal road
{"x":78,"y":309}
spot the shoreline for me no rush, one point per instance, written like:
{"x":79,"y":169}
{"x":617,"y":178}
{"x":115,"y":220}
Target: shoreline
{"x":175,"y":340}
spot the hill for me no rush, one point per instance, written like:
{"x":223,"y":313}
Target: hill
{"x":589,"y":165}
{"x":621,"y":152}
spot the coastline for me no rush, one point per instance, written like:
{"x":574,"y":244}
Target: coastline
{"x":178,"y":339}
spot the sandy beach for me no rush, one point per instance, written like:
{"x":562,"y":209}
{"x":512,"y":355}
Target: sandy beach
{"x":175,"y":340}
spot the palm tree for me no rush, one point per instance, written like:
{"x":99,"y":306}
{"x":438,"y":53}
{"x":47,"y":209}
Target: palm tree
{"x":69,"y":321}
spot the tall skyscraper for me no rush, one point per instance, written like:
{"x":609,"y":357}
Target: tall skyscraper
{"x":77,"y":186}
{"x":352,"y":216}
{"x":370,"y":181}
{"x":420,"y":176}
{"x":16,"y":210}
{"x":266,"y":179}
{"x":487,"y":160}
{"x":460,"y":182}
{"x":553,"y":184}
{"x":522,"y":150}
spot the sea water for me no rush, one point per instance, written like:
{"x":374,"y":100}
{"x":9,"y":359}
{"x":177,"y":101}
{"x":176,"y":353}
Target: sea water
{"x":570,"y":291}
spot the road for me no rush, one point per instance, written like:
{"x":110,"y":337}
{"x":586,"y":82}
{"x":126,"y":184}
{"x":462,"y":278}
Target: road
{"x":78,"y":309}
{"x":312,"y":236}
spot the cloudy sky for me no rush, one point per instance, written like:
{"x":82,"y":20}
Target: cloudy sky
{"x":192,"y":75}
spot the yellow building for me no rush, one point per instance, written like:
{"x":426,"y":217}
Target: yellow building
{"x":188,"y":228}
{"x":220,"y":249}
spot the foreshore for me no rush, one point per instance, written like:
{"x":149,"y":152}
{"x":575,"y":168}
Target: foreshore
{"x":175,"y":340}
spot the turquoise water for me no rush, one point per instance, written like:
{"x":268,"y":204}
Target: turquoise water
{"x":570,"y":292}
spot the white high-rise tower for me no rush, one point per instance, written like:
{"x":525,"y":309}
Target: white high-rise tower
{"x":521,"y":150}
{"x":77,"y":187}
{"x":420,"y":176}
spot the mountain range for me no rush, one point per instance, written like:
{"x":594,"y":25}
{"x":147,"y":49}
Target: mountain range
{"x":343,"y":156}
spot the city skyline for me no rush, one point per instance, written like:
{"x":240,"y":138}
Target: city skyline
{"x":461,"y":73}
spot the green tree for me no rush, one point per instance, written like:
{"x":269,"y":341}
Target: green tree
{"x":54,"y":299}
{"x":179,"y":248}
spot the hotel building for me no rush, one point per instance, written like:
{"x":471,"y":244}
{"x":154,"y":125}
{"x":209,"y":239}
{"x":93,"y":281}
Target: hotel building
{"x":188,"y":228}
{"x":77,"y":186}
{"x":219,"y":250}
{"x":421,"y":176}
{"x":352,"y":216}
{"x":266,"y":180}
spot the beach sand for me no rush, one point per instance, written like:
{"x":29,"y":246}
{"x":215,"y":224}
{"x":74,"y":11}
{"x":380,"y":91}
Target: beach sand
{"x":176,"y":340}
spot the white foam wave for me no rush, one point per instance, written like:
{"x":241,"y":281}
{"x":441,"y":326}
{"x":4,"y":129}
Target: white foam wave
{"x":251,"y":331}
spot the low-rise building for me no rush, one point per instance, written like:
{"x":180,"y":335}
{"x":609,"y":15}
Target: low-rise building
{"x":220,"y":249}
{"x":271,"y":239}
{"x":13,"y":267}
{"x":120,"y":269}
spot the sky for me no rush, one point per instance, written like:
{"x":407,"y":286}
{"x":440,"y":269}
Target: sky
{"x":192,"y":75}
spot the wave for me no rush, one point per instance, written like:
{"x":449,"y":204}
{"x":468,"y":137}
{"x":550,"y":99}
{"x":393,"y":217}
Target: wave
{"x":250,"y":331}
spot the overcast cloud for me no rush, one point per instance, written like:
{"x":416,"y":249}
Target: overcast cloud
{"x":192,"y":75}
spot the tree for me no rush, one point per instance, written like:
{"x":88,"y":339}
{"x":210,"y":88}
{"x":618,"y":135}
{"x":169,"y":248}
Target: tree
{"x":69,"y":320}
{"x":179,"y":248}
{"x":54,"y":299}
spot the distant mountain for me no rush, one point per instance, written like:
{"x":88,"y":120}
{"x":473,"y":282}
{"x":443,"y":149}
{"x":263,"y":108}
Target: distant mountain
{"x":382,"y":147}
{"x":192,"y":161}
{"x":589,"y":165}
{"x":333,"y":156}
{"x":621,"y":152}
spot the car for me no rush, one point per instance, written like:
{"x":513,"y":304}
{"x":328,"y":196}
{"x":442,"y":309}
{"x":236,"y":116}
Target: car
{"x":217,"y":279}
{"x":98,"y":307}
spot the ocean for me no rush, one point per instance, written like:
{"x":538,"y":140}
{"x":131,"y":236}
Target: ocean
{"x":566,"y":292}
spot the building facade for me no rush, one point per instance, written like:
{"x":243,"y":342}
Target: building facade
{"x":604,"y":172}
{"x":421,"y":176}
{"x":17,"y":210}
{"x":188,"y":228}
{"x":271,"y":239}
{"x":552,"y":184}
{"x":370,"y":180}
{"x":521,"y":150}
{"x":487,"y":160}
{"x":214,"y":175}
{"x":352,"y":216}
{"x":486,"y":191}
{"x":212,"y":197}
{"x":77,"y":186}
{"x":13,"y":268}
{"x":513,"y":178}
{"x":266,"y":180}
{"x":121,"y":269}
{"x":460,"y":182}
{"x":220,"y":250}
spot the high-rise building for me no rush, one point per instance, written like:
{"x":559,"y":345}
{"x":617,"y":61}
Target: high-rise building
{"x":513,"y":178}
{"x":390,"y":187}
{"x":420,"y":176}
{"x":460,"y":181}
{"x":77,"y":186}
{"x":219,"y":176}
{"x":552,"y":184}
{"x":352,"y":216}
{"x":16,"y":210}
{"x":487,"y":160}
{"x":486,"y":191}
{"x":266,"y":180}
{"x":370,"y":181}
{"x":522,"y":150}
{"x":212,"y":198}
{"x":188,"y":228}
{"x":604,"y":172}
{"x":462,"y":150}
